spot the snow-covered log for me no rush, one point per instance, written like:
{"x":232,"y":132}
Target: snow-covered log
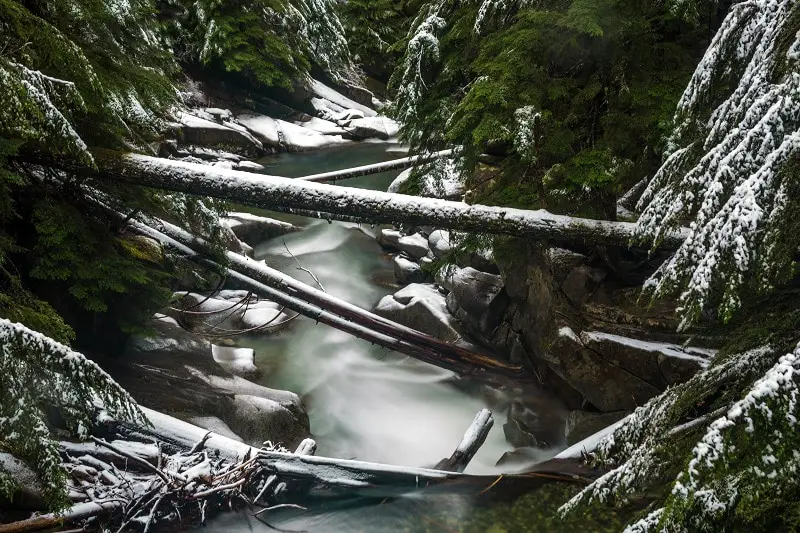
{"x":377,"y":168}
{"x":286,"y":195}
{"x":323,"y":307}
{"x":473,"y":440}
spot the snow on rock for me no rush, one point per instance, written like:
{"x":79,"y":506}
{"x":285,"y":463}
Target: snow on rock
{"x":208,"y":133}
{"x":255,"y":228}
{"x":256,"y":419}
{"x":389,"y":238}
{"x":439,"y":243}
{"x":372,"y":127}
{"x":249,"y":166}
{"x":414,"y":245}
{"x":285,"y":135}
{"x":407,"y":271}
{"x":421,"y":307}
{"x":325,"y":127}
{"x":329,"y":95}
{"x":237,"y":361}
{"x":217,"y":425}
{"x":701,"y":356}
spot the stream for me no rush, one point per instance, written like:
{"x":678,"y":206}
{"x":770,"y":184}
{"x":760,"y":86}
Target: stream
{"x":364,"y":402}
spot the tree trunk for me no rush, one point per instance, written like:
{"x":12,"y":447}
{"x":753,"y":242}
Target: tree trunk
{"x":342,"y":315}
{"x":366,"y":170}
{"x":329,"y":201}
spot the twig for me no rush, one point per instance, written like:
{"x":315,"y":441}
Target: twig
{"x":134,"y":458}
{"x":209,"y":492}
{"x":281,"y":506}
{"x":200,"y":444}
{"x":301,"y":267}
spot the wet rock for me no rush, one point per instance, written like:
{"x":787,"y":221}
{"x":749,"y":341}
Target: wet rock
{"x":174,"y":372}
{"x":563,"y":261}
{"x":406,"y":271}
{"x":439,"y":243}
{"x":30,"y":494}
{"x":415,"y":245}
{"x":581,"y":283}
{"x":423,"y":308}
{"x":480,"y":295}
{"x":530,"y":426}
{"x":581,"y":424}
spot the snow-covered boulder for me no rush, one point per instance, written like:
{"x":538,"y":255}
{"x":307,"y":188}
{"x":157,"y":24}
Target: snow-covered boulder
{"x":327,"y":99}
{"x":249,"y":166}
{"x":439,"y":243}
{"x":325,"y":127}
{"x":414,"y":245}
{"x":254,"y":228}
{"x":406,"y":271}
{"x":423,"y":308}
{"x":372,"y":128}
{"x":287,"y":136}
{"x":238,"y":361}
{"x":389,"y":238}
{"x":206,"y":132}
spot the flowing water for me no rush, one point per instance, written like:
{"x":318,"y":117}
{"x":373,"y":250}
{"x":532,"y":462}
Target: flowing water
{"x":364,"y":402}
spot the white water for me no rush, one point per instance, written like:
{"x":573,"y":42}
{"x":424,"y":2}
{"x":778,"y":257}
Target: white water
{"x":363,"y":401}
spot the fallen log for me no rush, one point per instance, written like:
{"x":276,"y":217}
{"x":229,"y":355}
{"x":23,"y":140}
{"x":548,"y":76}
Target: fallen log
{"x":286,"y":195}
{"x":377,"y":168}
{"x":473,"y":440}
{"x":339,"y":314}
{"x":76,"y":513}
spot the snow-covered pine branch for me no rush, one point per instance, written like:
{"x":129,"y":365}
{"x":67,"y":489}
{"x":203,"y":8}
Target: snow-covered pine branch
{"x":732,"y":168}
{"x":37,"y":374}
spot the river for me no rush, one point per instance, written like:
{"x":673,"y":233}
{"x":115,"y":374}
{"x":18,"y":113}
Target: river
{"x":364,"y":402}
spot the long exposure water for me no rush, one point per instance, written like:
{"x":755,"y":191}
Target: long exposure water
{"x":364,"y":402}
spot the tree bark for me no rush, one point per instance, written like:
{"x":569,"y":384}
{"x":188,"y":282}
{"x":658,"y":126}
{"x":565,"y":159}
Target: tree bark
{"x":337,"y":313}
{"x":377,"y":168}
{"x":284,"y":194}
{"x":473,"y":440}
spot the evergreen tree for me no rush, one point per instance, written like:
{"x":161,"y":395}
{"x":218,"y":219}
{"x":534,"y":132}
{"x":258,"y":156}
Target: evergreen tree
{"x":36,"y":374}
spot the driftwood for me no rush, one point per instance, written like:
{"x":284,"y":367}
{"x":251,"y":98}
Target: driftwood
{"x":377,"y":168}
{"x":324,"y":308}
{"x":76,"y":513}
{"x":470,"y":444}
{"x":329,"y":201}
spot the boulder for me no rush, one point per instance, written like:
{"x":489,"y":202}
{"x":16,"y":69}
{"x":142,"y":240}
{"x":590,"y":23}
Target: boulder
{"x":283,"y":135}
{"x":249,"y":166}
{"x":371,"y":128}
{"x":480,"y":295}
{"x":414,"y":245}
{"x":174,"y":372}
{"x":563,"y":261}
{"x":255,"y":229}
{"x":439,"y":243}
{"x":205,"y":132}
{"x":581,"y":282}
{"x":532,"y":427}
{"x":421,"y":307}
{"x":388,"y":238}
{"x":238,"y":361}
{"x":582,"y":424}
{"x":212,"y":423}
{"x":30,"y":494}
{"x":406,"y":271}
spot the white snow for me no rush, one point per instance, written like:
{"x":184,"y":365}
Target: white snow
{"x":325,"y":127}
{"x":331,"y":95}
{"x":700,"y":355}
{"x":589,"y":444}
{"x":237,"y":361}
{"x":276,"y":132}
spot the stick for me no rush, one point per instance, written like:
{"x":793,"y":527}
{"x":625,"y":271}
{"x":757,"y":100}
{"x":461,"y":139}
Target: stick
{"x":470,"y":444}
{"x":377,"y":168}
{"x":132,"y":457}
{"x":75,"y":513}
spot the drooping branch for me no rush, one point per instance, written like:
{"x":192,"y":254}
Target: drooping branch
{"x":470,"y":444}
{"x":284,"y":194}
{"x":377,"y":168}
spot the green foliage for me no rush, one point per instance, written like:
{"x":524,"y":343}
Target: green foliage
{"x":273,"y":43}
{"x":96,"y":266}
{"x":37,"y":374}
{"x":576,"y":95}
